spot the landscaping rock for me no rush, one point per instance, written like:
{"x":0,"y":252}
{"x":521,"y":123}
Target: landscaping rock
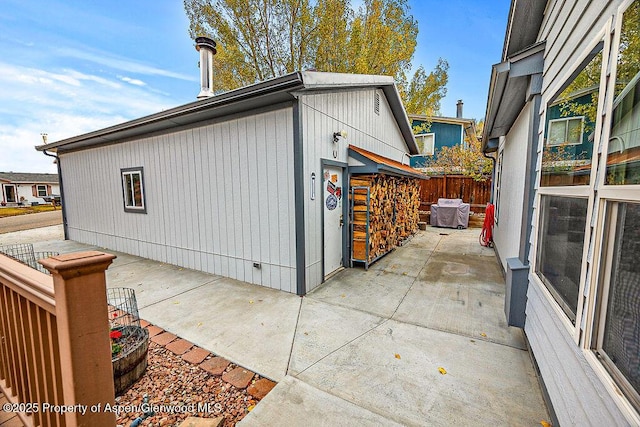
{"x":171,"y":381}
{"x":163,"y":338}
{"x":238,"y":377}
{"x":260,"y":388}
{"x":154,"y":330}
{"x":215,"y":365}
{"x":196,"y":355}
{"x":179,"y":346}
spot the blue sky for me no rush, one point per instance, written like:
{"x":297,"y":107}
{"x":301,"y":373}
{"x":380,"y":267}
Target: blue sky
{"x":70,"y":67}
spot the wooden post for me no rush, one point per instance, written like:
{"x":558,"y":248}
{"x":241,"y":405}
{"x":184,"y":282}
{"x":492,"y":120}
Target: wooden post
{"x":83,"y":333}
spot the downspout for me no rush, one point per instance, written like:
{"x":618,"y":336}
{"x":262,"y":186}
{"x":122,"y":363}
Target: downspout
{"x":299,"y":200}
{"x":62,"y":204}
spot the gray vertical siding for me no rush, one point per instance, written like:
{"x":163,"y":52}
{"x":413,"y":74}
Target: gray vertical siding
{"x":322,"y":115}
{"x":578,"y":395}
{"x":219,"y":198}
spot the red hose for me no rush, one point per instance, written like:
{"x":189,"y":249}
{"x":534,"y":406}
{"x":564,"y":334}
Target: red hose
{"x":486,"y":236}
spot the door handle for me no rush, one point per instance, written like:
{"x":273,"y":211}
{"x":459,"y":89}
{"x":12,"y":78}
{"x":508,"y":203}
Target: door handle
{"x":341,"y":220}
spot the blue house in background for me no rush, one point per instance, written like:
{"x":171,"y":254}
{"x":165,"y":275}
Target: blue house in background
{"x":443,"y":132}
{"x":568,"y":124}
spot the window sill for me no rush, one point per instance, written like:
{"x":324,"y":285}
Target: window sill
{"x":136,"y":210}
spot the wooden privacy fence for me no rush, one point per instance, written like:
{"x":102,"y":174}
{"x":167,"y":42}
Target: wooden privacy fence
{"x":55,"y":358}
{"x":476,"y":193}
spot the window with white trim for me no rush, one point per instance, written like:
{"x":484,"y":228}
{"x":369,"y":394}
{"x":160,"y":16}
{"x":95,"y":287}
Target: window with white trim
{"x":561,"y":241}
{"x":133,"y":190}
{"x":570,"y":126}
{"x":42,"y":190}
{"x":617,"y":342}
{"x":615,"y":333}
{"x":566,"y":131}
{"x":564,"y":191}
{"x":623,"y":154}
{"x":426,"y":143}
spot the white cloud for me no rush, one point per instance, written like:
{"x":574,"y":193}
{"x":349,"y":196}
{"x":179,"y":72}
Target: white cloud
{"x":119,"y":63}
{"x":18,"y":143}
{"x":134,"y":82}
{"x":62,"y":103}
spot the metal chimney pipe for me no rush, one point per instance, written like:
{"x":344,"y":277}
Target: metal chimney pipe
{"x":207,"y":49}
{"x":459,"y":109}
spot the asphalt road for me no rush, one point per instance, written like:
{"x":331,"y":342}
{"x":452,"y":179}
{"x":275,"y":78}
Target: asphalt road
{"x":29,"y":221}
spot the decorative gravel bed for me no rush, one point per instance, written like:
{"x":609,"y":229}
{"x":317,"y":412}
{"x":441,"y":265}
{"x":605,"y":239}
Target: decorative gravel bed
{"x":184,"y":388}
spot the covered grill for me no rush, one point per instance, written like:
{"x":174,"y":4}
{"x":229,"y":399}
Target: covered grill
{"x":453,"y":213}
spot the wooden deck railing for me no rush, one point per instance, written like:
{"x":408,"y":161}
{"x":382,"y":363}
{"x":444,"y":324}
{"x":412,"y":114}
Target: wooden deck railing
{"x":55,"y":359}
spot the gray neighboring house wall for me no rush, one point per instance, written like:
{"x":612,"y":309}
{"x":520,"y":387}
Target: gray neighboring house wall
{"x":546,"y":44}
{"x":235,"y":184}
{"x":27,"y":188}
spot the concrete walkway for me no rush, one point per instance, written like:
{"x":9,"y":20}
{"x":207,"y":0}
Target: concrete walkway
{"x":418,"y":339}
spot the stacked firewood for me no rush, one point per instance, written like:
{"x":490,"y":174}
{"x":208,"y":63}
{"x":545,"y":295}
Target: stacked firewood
{"x":393,"y":213}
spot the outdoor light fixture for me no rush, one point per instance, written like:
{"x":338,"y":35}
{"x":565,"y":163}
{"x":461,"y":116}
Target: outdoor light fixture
{"x":313,"y":186}
{"x":336,"y":135}
{"x":336,"y":138}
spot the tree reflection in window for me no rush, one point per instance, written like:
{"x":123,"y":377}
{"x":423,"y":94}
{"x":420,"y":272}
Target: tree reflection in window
{"x":623,"y":158}
{"x":570,"y":127}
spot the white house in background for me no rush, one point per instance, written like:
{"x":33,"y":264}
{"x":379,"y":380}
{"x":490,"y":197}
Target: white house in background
{"x":26,"y":188}
{"x":563,"y":120}
{"x":241,"y":184}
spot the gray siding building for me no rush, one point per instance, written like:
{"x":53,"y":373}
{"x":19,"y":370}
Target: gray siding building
{"x":235,"y":184}
{"x":567,"y":196}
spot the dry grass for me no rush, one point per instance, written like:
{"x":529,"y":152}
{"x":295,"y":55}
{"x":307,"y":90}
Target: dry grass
{"x":24,"y":210}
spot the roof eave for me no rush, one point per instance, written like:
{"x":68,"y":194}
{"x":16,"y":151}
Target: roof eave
{"x":523,"y":26}
{"x":254,"y":96}
{"x":373,"y":166}
{"x":525,"y":20}
{"x":400,"y":114}
{"x":261,"y":94}
{"x":508,"y":91}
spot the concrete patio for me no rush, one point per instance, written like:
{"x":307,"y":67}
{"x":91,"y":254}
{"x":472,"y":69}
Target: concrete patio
{"x":418,"y":339}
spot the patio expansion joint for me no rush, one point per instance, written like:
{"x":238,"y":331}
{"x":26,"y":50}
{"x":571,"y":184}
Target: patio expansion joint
{"x":473,"y":337}
{"x":341,"y":347}
{"x":385,"y":320}
{"x":362,"y":405}
{"x":478,"y":338}
{"x":181,"y":293}
{"x":295,"y":331}
{"x":415,"y":278}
